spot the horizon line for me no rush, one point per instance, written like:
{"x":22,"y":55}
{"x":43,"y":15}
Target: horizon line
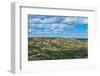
{"x":61,"y":37}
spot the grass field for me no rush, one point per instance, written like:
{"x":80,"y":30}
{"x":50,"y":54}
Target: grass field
{"x":52,"y":48}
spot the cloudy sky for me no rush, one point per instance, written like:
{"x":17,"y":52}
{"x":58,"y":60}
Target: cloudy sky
{"x":57,"y":26}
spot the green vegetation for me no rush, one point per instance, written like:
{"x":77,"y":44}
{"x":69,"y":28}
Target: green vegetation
{"x":51,"y":48}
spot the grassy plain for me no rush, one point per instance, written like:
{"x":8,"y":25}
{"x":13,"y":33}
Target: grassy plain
{"x":52,"y":48}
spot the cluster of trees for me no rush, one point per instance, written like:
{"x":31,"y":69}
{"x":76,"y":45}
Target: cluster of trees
{"x":56,"y":48}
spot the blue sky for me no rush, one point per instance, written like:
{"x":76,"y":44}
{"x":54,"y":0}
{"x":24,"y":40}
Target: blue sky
{"x":57,"y":26}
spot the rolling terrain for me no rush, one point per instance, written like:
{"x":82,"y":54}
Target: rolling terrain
{"x":52,"y":48}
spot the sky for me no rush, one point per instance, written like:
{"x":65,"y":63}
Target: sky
{"x":57,"y":26}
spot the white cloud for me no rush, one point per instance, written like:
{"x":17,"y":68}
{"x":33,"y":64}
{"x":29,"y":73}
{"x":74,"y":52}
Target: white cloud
{"x":72,"y":20}
{"x":55,"y":28}
{"x":30,"y":30}
{"x":37,"y":25}
{"x":46,"y":30}
{"x":45,"y":20}
{"x":85,"y":20}
{"x":67,"y":19}
{"x":57,"y":31}
{"x":50,"y":24}
{"x":76,"y":33}
{"x":49,"y":20}
{"x":38,"y":32}
{"x":58,"y":26}
{"x":34,"y":20}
